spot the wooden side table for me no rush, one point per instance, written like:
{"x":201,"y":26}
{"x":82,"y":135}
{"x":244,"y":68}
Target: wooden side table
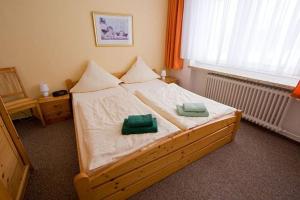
{"x":170,"y":79}
{"x":55,"y":109}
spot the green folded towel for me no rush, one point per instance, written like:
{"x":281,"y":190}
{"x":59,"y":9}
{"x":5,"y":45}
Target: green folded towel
{"x":126,"y":130}
{"x":140,"y":120}
{"x":194,"y":107}
{"x":181,"y":112}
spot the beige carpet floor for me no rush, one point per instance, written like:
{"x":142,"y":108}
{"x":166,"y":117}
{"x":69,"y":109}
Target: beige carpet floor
{"x":258,"y":165}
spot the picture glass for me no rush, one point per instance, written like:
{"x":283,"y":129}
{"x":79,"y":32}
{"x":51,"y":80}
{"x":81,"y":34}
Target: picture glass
{"x":113,"y":30}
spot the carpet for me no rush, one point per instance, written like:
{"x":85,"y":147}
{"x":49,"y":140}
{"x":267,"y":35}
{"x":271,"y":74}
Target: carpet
{"x":259,"y":164}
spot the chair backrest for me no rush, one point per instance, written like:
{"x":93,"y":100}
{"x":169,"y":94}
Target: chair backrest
{"x":11,"y":87}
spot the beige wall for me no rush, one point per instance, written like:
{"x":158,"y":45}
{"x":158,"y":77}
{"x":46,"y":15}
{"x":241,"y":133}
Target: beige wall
{"x":51,"y":40}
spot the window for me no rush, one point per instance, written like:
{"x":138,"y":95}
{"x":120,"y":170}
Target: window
{"x":256,"y":35}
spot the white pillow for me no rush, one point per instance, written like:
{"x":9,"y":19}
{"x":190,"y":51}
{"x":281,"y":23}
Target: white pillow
{"x":139,"y":72}
{"x":95,"y":78}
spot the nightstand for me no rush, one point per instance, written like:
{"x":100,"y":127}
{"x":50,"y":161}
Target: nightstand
{"x":55,"y":109}
{"x":170,"y":79}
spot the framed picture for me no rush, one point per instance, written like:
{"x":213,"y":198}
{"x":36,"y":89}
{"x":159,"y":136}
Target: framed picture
{"x":113,"y":29}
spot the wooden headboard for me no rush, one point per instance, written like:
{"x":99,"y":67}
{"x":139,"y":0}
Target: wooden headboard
{"x":70,"y":83}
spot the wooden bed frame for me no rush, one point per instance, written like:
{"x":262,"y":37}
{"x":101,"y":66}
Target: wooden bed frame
{"x":139,"y":170}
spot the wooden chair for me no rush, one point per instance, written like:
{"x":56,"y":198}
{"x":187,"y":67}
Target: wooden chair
{"x":14,"y":96}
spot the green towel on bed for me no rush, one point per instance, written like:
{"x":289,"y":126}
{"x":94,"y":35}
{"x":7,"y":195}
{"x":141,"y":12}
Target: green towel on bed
{"x":126,"y":130}
{"x":194,"y":107}
{"x":181,"y":112}
{"x":140,"y":120}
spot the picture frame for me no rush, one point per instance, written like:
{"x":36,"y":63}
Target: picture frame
{"x":113,"y":29}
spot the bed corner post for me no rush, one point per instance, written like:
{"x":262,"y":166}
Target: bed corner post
{"x":82,"y":185}
{"x":238,"y":115}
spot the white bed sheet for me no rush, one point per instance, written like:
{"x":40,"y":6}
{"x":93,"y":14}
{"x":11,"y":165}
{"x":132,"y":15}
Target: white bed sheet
{"x":99,"y":117}
{"x":164,"y":100}
{"x":132,"y":87}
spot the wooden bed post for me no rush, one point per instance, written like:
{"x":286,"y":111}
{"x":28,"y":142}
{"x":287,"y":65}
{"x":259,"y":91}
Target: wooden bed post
{"x":238,"y":115}
{"x":82,"y":185}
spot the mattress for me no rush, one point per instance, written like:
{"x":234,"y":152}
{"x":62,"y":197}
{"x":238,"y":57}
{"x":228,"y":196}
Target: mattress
{"x":133,"y":87}
{"x":164,"y":100}
{"x":98,"y":120}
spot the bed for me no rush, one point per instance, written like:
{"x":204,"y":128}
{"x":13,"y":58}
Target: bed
{"x":143,"y":167}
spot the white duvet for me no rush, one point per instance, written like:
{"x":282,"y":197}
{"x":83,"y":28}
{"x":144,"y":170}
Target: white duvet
{"x":101,"y":116}
{"x":164,"y":100}
{"x":153,"y":84}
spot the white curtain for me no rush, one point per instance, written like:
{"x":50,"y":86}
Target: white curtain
{"x":256,"y":35}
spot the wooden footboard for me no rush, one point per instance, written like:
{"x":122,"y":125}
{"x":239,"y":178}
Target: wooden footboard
{"x":146,"y":167}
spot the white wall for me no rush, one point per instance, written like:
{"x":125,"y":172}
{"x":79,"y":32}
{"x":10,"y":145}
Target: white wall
{"x":191,"y":79}
{"x":292,"y":118}
{"x":195,"y":81}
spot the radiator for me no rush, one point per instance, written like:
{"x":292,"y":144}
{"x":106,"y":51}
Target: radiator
{"x":261,"y":104}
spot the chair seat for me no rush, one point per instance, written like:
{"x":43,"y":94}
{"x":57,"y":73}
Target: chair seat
{"x":16,"y":105}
